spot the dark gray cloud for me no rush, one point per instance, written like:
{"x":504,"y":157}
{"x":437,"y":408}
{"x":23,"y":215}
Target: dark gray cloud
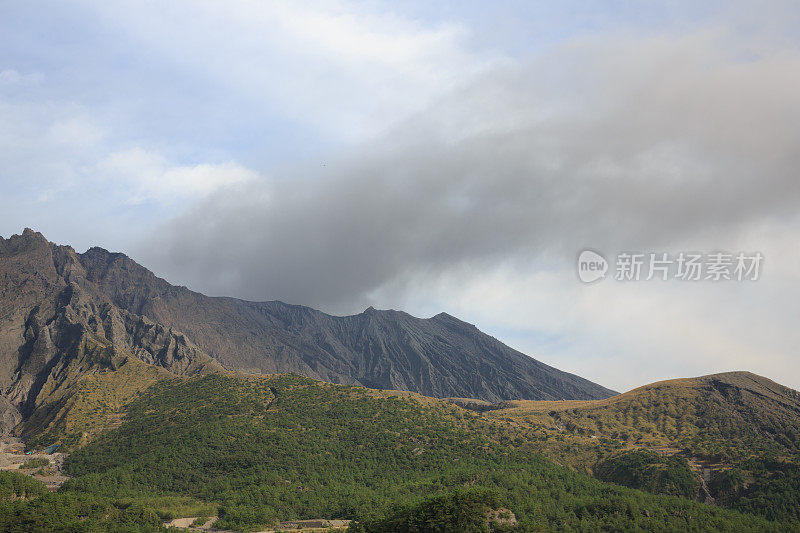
{"x":611,"y":143}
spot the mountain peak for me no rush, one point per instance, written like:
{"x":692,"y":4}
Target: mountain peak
{"x":29,"y":239}
{"x":445,"y":318}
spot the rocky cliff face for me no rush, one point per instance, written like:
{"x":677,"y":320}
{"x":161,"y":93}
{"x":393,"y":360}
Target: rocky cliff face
{"x":64,"y":315}
{"x":56,"y":328}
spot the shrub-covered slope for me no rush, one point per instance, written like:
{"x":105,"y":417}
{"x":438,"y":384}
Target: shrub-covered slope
{"x":739,"y":431}
{"x":733,"y":414}
{"x":289,"y":447}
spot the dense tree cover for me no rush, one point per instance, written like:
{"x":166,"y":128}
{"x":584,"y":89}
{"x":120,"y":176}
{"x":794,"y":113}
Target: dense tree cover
{"x":462,"y":511}
{"x":289,"y":447}
{"x":763,"y":486}
{"x":26,"y":505}
{"x":14,"y":485}
{"x":651,"y":472}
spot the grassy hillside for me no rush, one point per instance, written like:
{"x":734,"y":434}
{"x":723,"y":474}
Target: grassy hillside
{"x":731,"y":415}
{"x":740,"y":432}
{"x":288,"y":447}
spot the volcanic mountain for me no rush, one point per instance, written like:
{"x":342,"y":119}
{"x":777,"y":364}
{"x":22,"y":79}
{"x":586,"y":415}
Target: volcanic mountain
{"x":64,"y":314}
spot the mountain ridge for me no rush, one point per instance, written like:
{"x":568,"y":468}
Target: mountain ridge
{"x":380,"y":349}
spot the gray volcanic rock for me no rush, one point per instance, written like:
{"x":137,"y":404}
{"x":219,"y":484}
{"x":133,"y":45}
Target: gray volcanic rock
{"x":440,"y":356}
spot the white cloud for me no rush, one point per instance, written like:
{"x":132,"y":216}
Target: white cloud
{"x":149,"y":176}
{"x":339,"y":67}
{"x":65,"y":171}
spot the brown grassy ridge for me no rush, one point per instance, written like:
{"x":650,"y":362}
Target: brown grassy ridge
{"x":733,"y":415}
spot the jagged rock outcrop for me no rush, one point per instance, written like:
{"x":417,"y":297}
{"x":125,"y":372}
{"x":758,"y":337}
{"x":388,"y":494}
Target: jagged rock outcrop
{"x":55,"y":328}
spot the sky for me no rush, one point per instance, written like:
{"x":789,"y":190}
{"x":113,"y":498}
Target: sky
{"x":428,"y":157}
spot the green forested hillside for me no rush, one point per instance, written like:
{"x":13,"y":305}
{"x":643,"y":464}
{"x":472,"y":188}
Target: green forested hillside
{"x":290,"y":447}
{"x":260,"y":449}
